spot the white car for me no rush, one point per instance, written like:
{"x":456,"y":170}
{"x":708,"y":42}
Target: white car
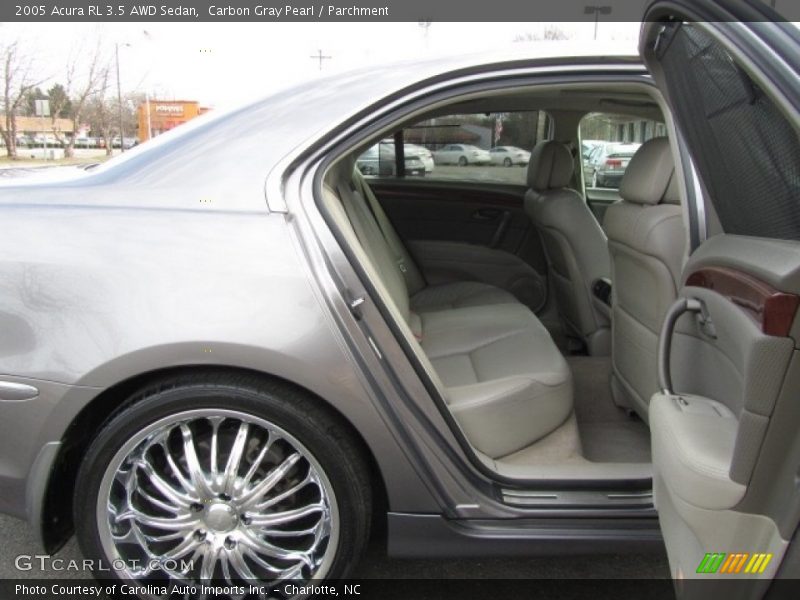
{"x":462,"y":155}
{"x":509,"y":155}
{"x":380,"y":160}
{"x":425,"y":155}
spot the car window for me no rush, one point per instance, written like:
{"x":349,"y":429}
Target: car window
{"x":492,"y":147}
{"x":608,"y":141}
{"x":745,"y":149}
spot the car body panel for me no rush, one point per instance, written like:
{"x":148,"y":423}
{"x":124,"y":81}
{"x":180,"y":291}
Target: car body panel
{"x":154,"y":260}
{"x":461,"y":154}
{"x":509,"y":155}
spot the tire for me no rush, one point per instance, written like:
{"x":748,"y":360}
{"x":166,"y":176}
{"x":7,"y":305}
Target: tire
{"x":462,"y":161}
{"x":507,"y":162}
{"x":316,"y":467}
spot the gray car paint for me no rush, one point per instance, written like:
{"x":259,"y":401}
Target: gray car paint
{"x":170,"y":256}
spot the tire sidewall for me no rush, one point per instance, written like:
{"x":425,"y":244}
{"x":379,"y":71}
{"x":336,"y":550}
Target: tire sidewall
{"x":306,"y":423}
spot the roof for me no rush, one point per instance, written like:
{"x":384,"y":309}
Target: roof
{"x":198,"y":160}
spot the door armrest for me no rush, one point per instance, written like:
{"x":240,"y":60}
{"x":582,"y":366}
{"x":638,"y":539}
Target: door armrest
{"x":693,"y":442}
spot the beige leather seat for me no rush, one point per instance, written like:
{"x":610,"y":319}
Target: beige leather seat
{"x":646,"y":241}
{"x":456,"y":294}
{"x":574,"y":242}
{"x":505,"y":381}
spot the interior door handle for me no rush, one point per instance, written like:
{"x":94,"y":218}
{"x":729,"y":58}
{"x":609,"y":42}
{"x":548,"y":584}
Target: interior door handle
{"x":502,"y":226}
{"x":486,"y":214}
{"x":679,"y":307}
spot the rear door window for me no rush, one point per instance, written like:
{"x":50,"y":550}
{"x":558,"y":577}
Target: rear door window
{"x":493,"y":147}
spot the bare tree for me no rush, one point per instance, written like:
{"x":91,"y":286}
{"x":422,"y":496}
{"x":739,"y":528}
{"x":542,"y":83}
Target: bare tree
{"x":100,"y":114}
{"x":60,"y":108}
{"x":550,"y":32}
{"x":18,"y":80}
{"x":87,"y":74}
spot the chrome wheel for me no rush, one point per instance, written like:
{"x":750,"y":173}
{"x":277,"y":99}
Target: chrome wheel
{"x":217,"y":494}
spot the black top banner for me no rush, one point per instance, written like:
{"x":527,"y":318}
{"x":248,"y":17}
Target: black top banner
{"x":354,"y":10}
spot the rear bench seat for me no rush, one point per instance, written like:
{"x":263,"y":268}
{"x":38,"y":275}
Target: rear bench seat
{"x":505,"y":381}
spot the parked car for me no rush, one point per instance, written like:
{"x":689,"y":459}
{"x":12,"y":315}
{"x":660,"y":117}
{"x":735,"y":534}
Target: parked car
{"x":607,"y":163}
{"x":227,"y":361}
{"x":588,"y":145}
{"x":462,"y":155}
{"x":421,"y":152}
{"x":86,"y":142}
{"x":40,"y":140}
{"x":130,"y":142}
{"x":380,"y":160}
{"x":509,"y":155}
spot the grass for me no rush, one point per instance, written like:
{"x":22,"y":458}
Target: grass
{"x":27,"y":161}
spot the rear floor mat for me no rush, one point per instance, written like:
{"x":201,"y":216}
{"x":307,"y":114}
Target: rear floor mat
{"x":615,"y":441}
{"x":607,"y":432}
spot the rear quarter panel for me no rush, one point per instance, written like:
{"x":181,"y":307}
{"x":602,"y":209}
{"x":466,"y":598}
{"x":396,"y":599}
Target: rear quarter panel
{"x":94,"y":294}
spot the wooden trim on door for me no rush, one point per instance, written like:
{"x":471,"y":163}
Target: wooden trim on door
{"x":772,"y":309}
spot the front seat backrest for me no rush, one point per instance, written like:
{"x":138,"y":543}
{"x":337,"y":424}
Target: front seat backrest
{"x":646,"y":241}
{"x":574,"y":243}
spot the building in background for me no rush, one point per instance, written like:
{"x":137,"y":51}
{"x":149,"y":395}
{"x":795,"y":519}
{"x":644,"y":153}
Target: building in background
{"x":43,"y":128}
{"x":166,"y":114}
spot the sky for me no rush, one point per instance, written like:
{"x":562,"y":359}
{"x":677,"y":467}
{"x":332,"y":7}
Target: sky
{"x":225,"y":64}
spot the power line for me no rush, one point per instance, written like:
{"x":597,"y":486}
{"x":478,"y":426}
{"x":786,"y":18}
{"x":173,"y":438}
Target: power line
{"x":320,"y":57}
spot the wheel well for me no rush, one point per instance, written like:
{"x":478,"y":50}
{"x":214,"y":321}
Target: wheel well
{"x":57,"y":523}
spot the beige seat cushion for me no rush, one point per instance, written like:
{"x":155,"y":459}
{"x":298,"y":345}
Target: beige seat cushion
{"x":507,"y":383}
{"x":459,"y":294}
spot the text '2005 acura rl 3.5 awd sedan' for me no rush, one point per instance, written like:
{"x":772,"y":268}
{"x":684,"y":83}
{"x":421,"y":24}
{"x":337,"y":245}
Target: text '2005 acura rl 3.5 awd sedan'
{"x":219,"y":367}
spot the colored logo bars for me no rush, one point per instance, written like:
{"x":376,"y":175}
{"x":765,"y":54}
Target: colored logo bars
{"x":733,"y":563}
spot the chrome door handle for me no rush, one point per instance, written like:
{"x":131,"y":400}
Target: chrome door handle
{"x":10,"y":390}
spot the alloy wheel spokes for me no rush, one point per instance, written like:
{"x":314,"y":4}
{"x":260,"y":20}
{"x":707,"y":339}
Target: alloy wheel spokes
{"x":208,"y":497}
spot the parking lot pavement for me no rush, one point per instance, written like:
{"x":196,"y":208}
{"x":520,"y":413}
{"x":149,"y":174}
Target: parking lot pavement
{"x":18,"y":539}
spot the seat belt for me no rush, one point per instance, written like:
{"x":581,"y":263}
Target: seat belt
{"x":371,"y":202}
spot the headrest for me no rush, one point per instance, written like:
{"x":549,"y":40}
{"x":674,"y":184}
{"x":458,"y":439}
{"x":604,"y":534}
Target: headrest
{"x":673,"y":194}
{"x":649,"y":173}
{"x":550,"y":166}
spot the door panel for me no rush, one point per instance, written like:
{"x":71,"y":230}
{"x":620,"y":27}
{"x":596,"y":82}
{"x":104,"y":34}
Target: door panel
{"x":726,"y":436}
{"x":729,"y":359}
{"x":457,"y":231}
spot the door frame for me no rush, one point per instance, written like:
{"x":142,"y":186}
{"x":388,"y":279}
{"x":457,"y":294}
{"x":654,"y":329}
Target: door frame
{"x":577,"y":493}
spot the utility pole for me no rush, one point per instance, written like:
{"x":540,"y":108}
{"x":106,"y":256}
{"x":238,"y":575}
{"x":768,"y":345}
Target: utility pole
{"x":119,"y":102}
{"x":425,"y":26}
{"x":320,"y":57}
{"x":597,"y":11}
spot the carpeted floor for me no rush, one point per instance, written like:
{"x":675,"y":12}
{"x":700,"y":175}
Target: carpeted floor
{"x":607,"y":433}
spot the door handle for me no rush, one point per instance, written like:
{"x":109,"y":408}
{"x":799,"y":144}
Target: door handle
{"x":501,"y":229}
{"x":486,"y":214}
{"x":10,"y":390}
{"x":678,"y":308}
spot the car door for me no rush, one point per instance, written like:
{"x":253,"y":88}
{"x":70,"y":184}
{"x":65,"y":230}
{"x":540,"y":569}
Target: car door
{"x":726,"y":426}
